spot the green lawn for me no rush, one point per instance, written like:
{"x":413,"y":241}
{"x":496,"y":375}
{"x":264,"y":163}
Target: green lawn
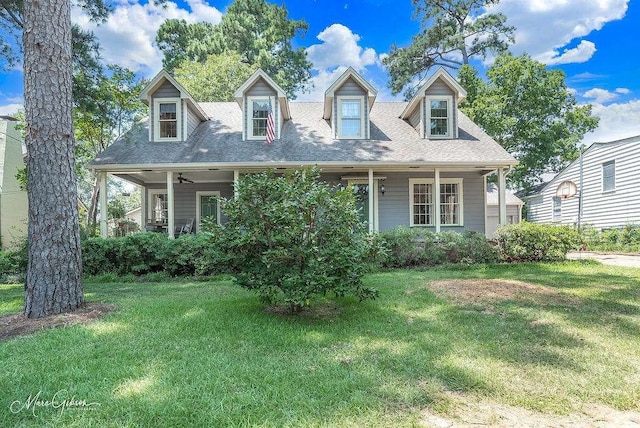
{"x":207,"y":354}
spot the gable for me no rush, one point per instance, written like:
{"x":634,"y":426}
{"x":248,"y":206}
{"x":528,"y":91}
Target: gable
{"x":166,"y":90}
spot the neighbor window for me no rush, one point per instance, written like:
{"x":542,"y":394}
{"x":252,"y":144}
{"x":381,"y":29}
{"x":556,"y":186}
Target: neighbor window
{"x":167,"y":124}
{"x":259,"y":109}
{"x":557,"y":208}
{"x":440,"y":117}
{"x":609,"y":176}
{"x":422,"y":198}
{"x":350,"y":117}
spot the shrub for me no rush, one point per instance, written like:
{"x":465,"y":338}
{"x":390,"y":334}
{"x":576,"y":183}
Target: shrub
{"x":291,"y":238}
{"x":14,"y":262}
{"x":536,"y":242}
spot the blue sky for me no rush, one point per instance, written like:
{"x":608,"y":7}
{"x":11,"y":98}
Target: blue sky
{"x":593,"y":41}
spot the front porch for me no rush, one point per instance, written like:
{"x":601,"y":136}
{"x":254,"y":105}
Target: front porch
{"x":438,"y":199}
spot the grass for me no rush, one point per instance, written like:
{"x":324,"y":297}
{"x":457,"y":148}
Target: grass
{"x":207,"y":354}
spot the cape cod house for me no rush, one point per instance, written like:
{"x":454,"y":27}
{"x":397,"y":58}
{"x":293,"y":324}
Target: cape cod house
{"x":605,"y":182}
{"x":421,"y":163}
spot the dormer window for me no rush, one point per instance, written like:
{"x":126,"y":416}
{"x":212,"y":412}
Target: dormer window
{"x":351,"y":117}
{"x":259,"y":108}
{"x":439,"y":117}
{"x":167,"y":124}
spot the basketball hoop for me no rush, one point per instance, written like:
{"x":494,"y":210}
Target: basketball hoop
{"x":566,"y":189}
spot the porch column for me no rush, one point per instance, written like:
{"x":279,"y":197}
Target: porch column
{"x":104,"y":230}
{"x":371,"y":196}
{"x":143,"y":208}
{"x":502,"y":196}
{"x":436,"y":199}
{"x":170,"y":199}
{"x":236,"y":177}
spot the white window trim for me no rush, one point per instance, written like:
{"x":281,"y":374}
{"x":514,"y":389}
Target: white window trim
{"x":150,"y":206}
{"x":427,"y":125}
{"x":198,"y":206}
{"x":156,"y":120}
{"x":249,"y":113}
{"x":338,"y":115}
{"x":431,"y":181}
{"x":602,"y":176}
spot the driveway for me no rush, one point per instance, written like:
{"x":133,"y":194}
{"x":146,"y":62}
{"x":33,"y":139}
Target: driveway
{"x":607,"y":259}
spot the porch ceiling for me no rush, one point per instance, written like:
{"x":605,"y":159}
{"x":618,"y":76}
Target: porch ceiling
{"x":158,"y":176}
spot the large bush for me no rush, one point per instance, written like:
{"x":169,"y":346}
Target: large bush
{"x":293,"y":237}
{"x":536,"y":242}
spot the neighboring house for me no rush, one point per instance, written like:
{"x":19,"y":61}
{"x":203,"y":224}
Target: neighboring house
{"x":420,"y":163}
{"x":610,"y":196}
{"x":13,"y":200}
{"x":135,"y":216}
{"x":514,"y":209}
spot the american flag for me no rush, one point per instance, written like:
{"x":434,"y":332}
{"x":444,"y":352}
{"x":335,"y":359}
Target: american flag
{"x":271,"y":129}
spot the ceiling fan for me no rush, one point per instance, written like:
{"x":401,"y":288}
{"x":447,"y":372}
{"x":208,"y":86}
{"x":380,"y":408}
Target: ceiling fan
{"x":182,"y":179}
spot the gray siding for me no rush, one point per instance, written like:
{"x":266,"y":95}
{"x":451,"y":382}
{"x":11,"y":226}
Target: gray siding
{"x":166,"y":90}
{"x":185,"y":197}
{"x":261,"y":89}
{"x":601,"y":209}
{"x":414,"y":119}
{"x":393,"y":207}
{"x":192,"y":122}
{"x":350,"y":88}
{"x":439,"y":87}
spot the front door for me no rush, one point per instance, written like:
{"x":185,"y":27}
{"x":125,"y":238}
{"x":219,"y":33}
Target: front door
{"x":361,"y":190}
{"x":207,"y":207}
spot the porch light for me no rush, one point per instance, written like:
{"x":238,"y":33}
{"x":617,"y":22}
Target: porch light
{"x":382,"y":189}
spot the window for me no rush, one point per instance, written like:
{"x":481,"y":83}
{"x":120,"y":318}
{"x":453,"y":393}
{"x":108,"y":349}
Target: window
{"x":609,"y":176}
{"x":259,"y":108}
{"x":158,"y":206}
{"x":557,"y":209}
{"x":421,"y":203}
{"x":167,"y":123}
{"x":440,"y":117}
{"x":450,"y":203}
{"x":350,"y":117}
{"x":207,"y":206}
{"x":422,"y":198}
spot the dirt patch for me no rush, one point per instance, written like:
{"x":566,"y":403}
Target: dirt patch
{"x":482,"y":291}
{"x":19,"y":325}
{"x":468,"y":413}
{"x":318,"y":312}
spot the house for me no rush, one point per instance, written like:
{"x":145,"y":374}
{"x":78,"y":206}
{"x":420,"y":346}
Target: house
{"x":514,"y":209}
{"x":420,"y":163}
{"x":13,"y":200}
{"x":605,"y":182}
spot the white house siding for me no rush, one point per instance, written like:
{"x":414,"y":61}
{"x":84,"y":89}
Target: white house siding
{"x":350,"y":88}
{"x":601,"y":209}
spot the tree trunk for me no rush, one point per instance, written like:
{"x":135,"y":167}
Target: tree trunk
{"x":92,"y":215}
{"x":54,"y":273}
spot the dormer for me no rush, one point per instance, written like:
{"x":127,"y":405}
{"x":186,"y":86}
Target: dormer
{"x":347,"y":104}
{"x":256,"y":96}
{"x":173,"y":113}
{"x":433,"y":111}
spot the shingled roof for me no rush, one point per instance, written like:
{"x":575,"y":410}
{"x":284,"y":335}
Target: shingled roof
{"x":306,"y":138}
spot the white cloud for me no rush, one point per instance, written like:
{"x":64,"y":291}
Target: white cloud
{"x":623,"y":91}
{"x":600,"y":96}
{"x":340,"y":47}
{"x":620,"y":120}
{"x":9,"y":109}
{"x":128,"y":36}
{"x":545,"y":27}
{"x":339,"y":50}
{"x":581,"y":53}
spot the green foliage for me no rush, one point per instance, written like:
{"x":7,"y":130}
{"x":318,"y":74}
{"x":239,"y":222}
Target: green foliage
{"x":450,"y":28}
{"x":292,"y":238}
{"x":214,"y":79}
{"x":536,"y":242}
{"x":150,"y":253}
{"x":420,"y":247}
{"x":623,"y":240}
{"x":258,"y":31}
{"x":14,"y":262}
{"x":528,"y":110}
